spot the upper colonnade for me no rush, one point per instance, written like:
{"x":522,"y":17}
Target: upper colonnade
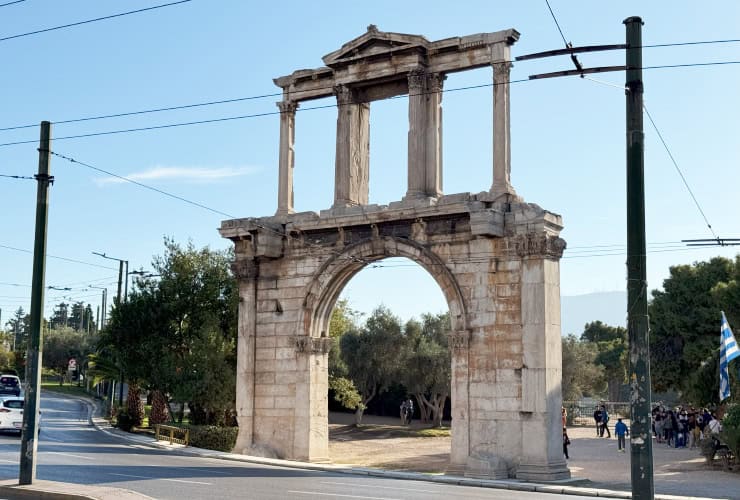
{"x":378,"y":65}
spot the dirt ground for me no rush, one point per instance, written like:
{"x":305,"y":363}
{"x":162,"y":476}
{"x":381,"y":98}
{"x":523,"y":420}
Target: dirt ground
{"x":383,"y":443}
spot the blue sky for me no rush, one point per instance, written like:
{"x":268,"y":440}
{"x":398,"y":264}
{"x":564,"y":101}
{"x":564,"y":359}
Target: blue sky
{"x":567,"y":134}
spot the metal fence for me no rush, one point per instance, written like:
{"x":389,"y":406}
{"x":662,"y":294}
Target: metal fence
{"x":582,"y":412}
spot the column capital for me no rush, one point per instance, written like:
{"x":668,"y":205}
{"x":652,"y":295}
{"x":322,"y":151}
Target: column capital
{"x":501,"y":71}
{"x":435,"y":81}
{"x":417,"y":77}
{"x":287,"y":106}
{"x":344,"y":94}
{"x":539,"y":246}
{"x":245,"y":269}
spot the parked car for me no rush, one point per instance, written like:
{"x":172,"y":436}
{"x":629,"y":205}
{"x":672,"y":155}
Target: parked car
{"x":11,"y":414}
{"x":10,"y":384}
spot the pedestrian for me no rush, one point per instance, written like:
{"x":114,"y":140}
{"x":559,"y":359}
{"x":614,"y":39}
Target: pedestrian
{"x":621,"y":431}
{"x":605,"y":422}
{"x":566,"y":443}
{"x":564,"y":415}
{"x":597,"y":420}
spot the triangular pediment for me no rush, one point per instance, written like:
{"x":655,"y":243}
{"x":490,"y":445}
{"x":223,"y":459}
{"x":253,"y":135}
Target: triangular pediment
{"x":374,"y":42}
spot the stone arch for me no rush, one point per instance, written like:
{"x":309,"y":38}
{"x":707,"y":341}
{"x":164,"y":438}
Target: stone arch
{"x":329,"y":281}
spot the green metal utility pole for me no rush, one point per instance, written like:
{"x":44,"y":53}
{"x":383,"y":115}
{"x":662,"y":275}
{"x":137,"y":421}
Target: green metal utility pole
{"x":641,"y":444}
{"x":29,"y":437}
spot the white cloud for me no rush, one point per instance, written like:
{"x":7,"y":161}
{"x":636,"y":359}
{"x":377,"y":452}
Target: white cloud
{"x":182,"y":174}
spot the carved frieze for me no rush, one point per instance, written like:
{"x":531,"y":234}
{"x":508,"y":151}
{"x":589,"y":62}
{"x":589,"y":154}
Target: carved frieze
{"x":315,"y":345}
{"x":539,"y":245}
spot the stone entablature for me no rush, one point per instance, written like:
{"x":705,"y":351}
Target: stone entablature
{"x":379,"y":65}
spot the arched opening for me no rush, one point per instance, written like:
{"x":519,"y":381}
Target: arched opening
{"x":394,"y":349}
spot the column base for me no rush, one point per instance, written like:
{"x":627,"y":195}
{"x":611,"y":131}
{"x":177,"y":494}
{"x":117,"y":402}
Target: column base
{"x":486,"y":468}
{"x":553,"y":471}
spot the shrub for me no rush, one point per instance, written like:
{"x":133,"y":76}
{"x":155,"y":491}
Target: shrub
{"x":730,"y":434}
{"x":123,"y":421}
{"x":211,"y":437}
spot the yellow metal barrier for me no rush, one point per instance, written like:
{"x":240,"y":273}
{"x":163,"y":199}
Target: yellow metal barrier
{"x":179,"y":435}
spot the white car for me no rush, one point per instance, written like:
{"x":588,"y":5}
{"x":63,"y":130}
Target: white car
{"x":11,"y":414}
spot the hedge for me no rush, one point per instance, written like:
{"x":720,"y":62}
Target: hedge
{"x":212,"y":437}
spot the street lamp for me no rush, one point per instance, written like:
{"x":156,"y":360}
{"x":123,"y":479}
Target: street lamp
{"x":121,"y":262}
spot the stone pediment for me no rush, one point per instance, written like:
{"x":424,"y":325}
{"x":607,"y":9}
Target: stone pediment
{"x":374,"y":42}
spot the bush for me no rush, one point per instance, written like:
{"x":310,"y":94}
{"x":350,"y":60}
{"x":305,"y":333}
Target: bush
{"x":730,"y":434}
{"x":124,"y":422}
{"x":211,"y":437}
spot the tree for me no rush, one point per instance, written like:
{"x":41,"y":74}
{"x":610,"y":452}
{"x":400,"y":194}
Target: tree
{"x":18,"y":325}
{"x":372,"y":355}
{"x":581,"y":375}
{"x":343,"y":320}
{"x":61,"y":345}
{"x":177,"y":335}
{"x":684,"y":328}
{"x":611,"y":343}
{"x":426,"y":365}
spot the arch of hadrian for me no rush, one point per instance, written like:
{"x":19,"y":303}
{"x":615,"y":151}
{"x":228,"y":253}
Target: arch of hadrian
{"x":495,"y":257}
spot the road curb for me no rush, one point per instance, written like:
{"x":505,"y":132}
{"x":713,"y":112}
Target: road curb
{"x":514,"y":485}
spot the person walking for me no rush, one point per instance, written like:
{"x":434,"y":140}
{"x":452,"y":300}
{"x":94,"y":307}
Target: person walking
{"x":566,"y":443}
{"x":597,"y":420}
{"x":605,"y":422}
{"x":621,"y":431}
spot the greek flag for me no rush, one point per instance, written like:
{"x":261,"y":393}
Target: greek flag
{"x":728,"y":351}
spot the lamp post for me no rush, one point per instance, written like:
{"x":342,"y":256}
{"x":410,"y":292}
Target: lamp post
{"x":121,"y":263}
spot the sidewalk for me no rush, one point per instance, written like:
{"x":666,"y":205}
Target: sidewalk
{"x":588,"y":457}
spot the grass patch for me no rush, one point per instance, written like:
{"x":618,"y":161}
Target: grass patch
{"x":434,"y":432}
{"x":72,"y":389}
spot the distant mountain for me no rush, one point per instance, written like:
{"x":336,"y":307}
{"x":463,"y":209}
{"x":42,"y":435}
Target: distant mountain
{"x":607,"y":307}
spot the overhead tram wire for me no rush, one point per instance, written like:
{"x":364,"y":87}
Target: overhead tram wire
{"x":141,"y":184}
{"x":11,"y":3}
{"x":272,"y":113}
{"x":88,"y":21}
{"x":24,"y":177}
{"x":277,"y":94}
{"x":680,"y":173}
{"x":216,"y":120}
{"x":59,"y":258}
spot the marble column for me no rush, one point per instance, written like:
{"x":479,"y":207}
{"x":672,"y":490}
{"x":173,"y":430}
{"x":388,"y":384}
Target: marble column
{"x":287,"y":157}
{"x":433,"y":181}
{"x":418,"y":117}
{"x":352,"y":163}
{"x":501,"y":130}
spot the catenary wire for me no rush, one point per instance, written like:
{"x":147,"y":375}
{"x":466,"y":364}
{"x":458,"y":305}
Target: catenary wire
{"x":87,"y":21}
{"x":256,"y":115}
{"x":242,"y":117}
{"x":680,"y":173}
{"x":556,"y":23}
{"x":59,"y":258}
{"x":11,"y":3}
{"x":141,"y":184}
{"x":24,"y":177}
{"x":277,"y":94}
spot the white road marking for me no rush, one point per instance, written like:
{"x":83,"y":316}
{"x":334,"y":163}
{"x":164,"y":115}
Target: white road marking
{"x":374,"y":486}
{"x":69,"y":455}
{"x":160,"y":479}
{"x":9,"y":461}
{"x":321,"y":493}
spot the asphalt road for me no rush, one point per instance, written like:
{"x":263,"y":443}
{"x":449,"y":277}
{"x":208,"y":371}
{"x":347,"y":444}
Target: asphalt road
{"x":72,"y":451}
